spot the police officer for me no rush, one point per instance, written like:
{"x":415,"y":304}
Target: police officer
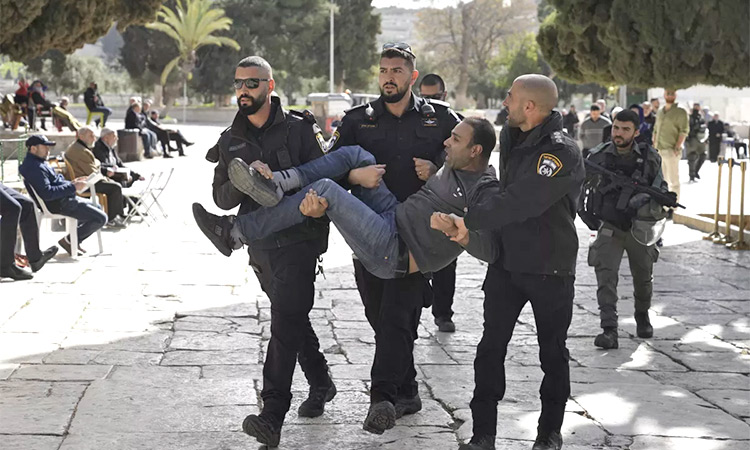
{"x":623,"y":220}
{"x":406,"y":133}
{"x":432,"y":86}
{"x":285,"y":263}
{"x":695,"y":142}
{"x":533,"y":207}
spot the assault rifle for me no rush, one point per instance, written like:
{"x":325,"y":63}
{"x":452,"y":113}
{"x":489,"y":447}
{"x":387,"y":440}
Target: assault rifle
{"x":629,"y":186}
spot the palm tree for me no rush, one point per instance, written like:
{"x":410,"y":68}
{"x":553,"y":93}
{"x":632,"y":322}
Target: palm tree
{"x":192,"y":26}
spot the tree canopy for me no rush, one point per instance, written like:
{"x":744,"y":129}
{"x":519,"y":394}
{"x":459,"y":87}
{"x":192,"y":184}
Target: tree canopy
{"x":31,"y":27}
{"x":645,"y":43}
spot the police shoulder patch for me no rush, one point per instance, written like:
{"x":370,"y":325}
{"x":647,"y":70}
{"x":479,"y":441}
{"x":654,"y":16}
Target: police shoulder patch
{"x":332,"y":141}
{"x":548,"y":165}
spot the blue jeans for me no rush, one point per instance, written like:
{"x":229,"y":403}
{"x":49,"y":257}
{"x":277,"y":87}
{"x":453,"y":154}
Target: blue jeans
{"x":366,"y":219}
{"x":149,"y":141}
{"x":90,"y":217}
{"x":106,"y":112}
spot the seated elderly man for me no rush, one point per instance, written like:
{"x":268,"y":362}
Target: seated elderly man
{"x":63,"y":118}
{"x":81,"y":158}
{"x":134,"y":120}
{"x":58,"y":193}
{"x":163,"y":134}
{"x":104,"y":151}
{"x":17,"y":210}
{"x":10,"y":112}
{"x":95,"y":104}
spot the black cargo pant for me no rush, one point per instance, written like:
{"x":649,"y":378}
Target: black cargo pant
{"x":505,"y":294}
{"x":287,"y":276}
{"x":393,"y":308}
{"x":443,"y":289}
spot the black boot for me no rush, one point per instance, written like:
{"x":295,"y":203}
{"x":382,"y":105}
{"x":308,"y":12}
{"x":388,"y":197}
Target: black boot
{"x":643,"y":325}
{"x":551,"y":440}
{"x":608,"y":339}
{"x":263,"y":429}
{"x":380,"y":417}
{"x":315,"y":403}
{"x":486,"y":442}
{"x":445,"y":324}
{"x":407,"y":405}
{"x":216,"y":228}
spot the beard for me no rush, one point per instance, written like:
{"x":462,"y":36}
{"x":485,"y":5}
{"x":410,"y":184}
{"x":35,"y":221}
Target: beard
{"x":669,"y":102}
{"x":393,"y":98}
{"x":255,"y":103}
{"x":625,"y":143}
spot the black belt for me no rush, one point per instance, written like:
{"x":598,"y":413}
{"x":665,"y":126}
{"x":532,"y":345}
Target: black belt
{"x":402,"y":263}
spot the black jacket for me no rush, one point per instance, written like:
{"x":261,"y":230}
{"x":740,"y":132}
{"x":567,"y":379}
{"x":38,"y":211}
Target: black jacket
{"x":534,"y":205}
{"x":394,"y":141}
{"x":290,"y":140}
{"x":133,"y":120}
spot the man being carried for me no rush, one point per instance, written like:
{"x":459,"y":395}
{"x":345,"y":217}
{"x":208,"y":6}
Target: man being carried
{"x":391,"y":239}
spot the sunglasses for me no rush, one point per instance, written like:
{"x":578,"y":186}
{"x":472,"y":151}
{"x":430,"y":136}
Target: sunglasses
{"x":251,"y":83}
{"x":403,"y":46}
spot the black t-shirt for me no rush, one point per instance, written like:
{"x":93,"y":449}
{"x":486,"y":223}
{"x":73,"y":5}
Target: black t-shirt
{"x":257,"y":132}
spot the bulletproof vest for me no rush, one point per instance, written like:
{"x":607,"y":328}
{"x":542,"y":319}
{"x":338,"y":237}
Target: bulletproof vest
{"x":601,"y":197}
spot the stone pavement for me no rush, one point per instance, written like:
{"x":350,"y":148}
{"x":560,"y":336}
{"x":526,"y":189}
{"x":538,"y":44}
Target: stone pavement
{"x":158,"y":344}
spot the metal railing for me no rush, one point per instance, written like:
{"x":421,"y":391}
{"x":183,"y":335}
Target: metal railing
{"x":19,"y":151}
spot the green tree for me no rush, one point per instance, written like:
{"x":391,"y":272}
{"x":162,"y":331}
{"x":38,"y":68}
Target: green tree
{"x":31,"y":27}
{"x":644,"y":43}
{"x":463,"y":39}
{"x":355,"y":48}
{"x":192,"y":26}
{"x":144,"y":55}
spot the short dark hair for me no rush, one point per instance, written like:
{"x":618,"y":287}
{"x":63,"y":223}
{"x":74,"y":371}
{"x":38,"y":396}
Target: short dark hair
{"x":627,"y":115}
{"x":483,"y":133}
{"x":411,"y":60}
{"x":595,"y":107}
{"x":256,"y":61}
{"x":432,"y":79}
{"x":655,"y":99}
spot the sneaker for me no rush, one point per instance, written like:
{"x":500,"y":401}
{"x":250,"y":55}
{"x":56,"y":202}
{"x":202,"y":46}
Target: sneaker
{"x":315,"y":403}
{"x":46,"y":256}
{"x":250,"y":182}
{"x":548,"y":441}
{"x":16,"y":273}
{"x":445,"y":324}
{"x":380,"y":417}
{"x":407,"y":405}
{"x":262,"y":429}
{"x":643,"y":325}
{"x":486,"y":442}
{"x":608,"y":339}
{"x":117,"y":222}
{"x":216,"y":228}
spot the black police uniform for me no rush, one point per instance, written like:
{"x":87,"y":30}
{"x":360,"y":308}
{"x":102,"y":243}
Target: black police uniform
{"x":285,"y":262}
{"x":393,"y":307}
{"x":534,"y":207}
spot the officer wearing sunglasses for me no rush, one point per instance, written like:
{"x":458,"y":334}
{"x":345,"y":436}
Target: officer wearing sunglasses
{"x":406,"y":133}
{"x":285,"y":263}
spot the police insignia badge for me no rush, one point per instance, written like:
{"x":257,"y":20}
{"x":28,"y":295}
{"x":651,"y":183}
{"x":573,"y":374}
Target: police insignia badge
{"x":332,"y":141}
{"x":321,"y":142}
{"x":548,"y":165}
{"x":429,"y":122}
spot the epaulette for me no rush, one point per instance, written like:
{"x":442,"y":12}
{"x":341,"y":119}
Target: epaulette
{"x":363,"y":105}
{"x":598,"y":148}
{"x":432,"y":101}
{"x":305,"y":115}
{"x":225,"y":130}
{"x":557,"y":137}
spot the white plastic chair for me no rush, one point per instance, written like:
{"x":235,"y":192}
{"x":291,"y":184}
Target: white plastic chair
{"x":71,"y":223}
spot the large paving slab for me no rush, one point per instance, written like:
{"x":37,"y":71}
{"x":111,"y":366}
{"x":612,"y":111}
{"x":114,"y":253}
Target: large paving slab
{"x":172,"y":358}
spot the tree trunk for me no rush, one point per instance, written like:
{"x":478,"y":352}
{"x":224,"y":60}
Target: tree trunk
{"x":462,"y":100}
{"x":158,"y":96}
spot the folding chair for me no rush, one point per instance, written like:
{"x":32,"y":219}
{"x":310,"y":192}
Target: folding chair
{"x":136,"y":198}
{"x":157,"y":190}
{"x":71,"y":223}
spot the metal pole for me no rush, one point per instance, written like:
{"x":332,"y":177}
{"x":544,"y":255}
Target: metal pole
{"x":184,"y":101}
{"x":728,"y":218}
{"x":740,"y":243}
{"x":716,"y":234}
{"x":330,"y":71}
{"x":623,"y":96}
